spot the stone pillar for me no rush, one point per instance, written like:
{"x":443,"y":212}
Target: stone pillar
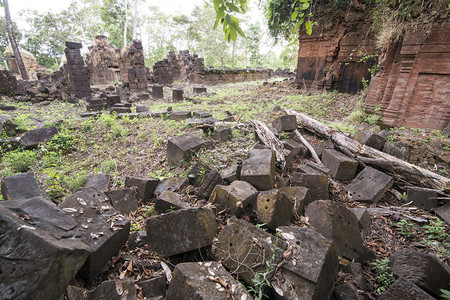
{"x":78,"y":72}
{"x":177,"y":95}
{"x":157,"y":92}
{"x":133,"y":69}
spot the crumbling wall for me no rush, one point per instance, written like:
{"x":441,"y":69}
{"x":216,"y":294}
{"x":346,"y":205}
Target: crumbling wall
{"x":8,"y":82}
{"x":78,"y":72}
{"x":412,"y":88}
{"x":103,"y":62}
{"x":132,"y":67}
{"x":28,"y":60}
{"x":335,"y":55}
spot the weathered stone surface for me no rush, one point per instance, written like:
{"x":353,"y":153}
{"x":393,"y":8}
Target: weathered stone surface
{"x":316,"y":182}
{"x":177,"y":95}
{"x":98,"y":181}
{"x":222,"y":134}
{"x":299,"y":196}
{"x":199,"y":90}
{"x":21,"y":186}
{"x":180,"y":147}
{"x":285,"y":123}
{"x":123,"y":200}
{"x":180,"y":115}
{"x":236,"y":197}
{"x":103,"y":61}
{"x":364,"y":219}
{"x":369,"y":186}
{"x":259,"y":169}
{"x":338,"y":224}
{"x":371,"y":139}
{"x":120,"y":110}
{"x":204,"y":179}
{"x":274,"y":208}
{"x":196,"y":281}
{"x":8,"y":82}
{"x":245,"y":249}
{"x":155,"y":287}
{"x":444,"y":212}
{"x":411,"y":87}
{"x":310,"y":271}
{"x":137,"y":239}
{"x":172,"y":184}
{"x":422,"y":198}
{"x":132,"y":67}
{"x":41,"y":250}
{"x":397,"y":149}
{"x":422,"y":269}
{"x":201,"y":114}
{"x":348,"y":291}
{"x":35,"y":137}
{"x":231,"y":173}
{"x":120,"y":289}
{"x":181,"y":231}
{"x":341,"y":166}
{"x":157,"y":92}
{"x":168,"y":201}
{"x":144,"y":186}
{"x":405,"y":289}
{"x":102,"y":228}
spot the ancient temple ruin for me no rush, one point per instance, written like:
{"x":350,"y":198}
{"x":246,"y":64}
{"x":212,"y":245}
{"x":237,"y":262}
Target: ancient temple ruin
{"x":103,"y":62}
{"x":78,"y":72}
{"x":132,"y":67}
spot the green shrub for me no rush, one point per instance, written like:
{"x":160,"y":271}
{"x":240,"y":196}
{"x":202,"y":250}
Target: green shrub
{"x":63,"y":142}
{"x":108,"y":167}
{"x":384,"y":274}
{"x":20,"y":161}
{"x":76,"y":181}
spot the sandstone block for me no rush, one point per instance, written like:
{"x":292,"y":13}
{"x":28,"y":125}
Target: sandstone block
{"x":21,"y":186}
{"x":299,"y":196}
{"x":399,"y":150}
{"x":199,"y":90}
{"x":180,"y":147}
{"x":364,"y":219}
{"x":422,"y":198}
{"x":35,"y":137}
{"x":371,"y":139}
{"x":153,"y":288}
{"x":236,"y":197}
{"x":157,"y":92}
{"x":285,"y":123}
{"x":316,"y":182}
{"x":259,"y":169}
{"x":177,"y":95}
{"x":222,"y":134}
{"x":341,"y":166}
{"x":405,"y":289}
{"x":169,"y":201}
{"x":180,"y":115}
{"x":144,"y":186}
{"x":172,"y":184}
{"x":274,"y":208}
{"x":123,"y":200}
{"x":98,"y":181}
{"x":369,"y":186}
{"x":120,"y":289}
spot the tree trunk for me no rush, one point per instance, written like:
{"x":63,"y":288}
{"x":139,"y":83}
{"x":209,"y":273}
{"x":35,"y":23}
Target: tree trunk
{"x":125,"y":26}
{"x":12,"y":40}
{"x":371,"y":156}
{"x":135,"y":19}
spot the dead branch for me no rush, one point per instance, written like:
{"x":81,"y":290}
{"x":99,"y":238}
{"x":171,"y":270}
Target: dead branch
{"x":310,"y":148}
{"x":414,"y":174}
{"x":270,"y":140}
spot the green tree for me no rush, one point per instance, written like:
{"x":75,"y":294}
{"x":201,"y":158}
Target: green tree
{"x":252,"y":42}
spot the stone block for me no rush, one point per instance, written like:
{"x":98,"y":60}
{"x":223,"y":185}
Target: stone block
{"x":341,"y":166}
{"x":316,"y":182}
{"x":231,"y":173}
{"x":422,"y":198}
{"x":141,"y":109}
{"x":98,"y":181}
{"x":397,"y":149}
{"x":405,"y":289}
{"x":197,"y":278}
{"x":157,"y":92}
{"x":41,"y":250}
{"x":123,"y":200}
{"x":204,"y":179}
{"x":285,"y":123}
{"x":444,"y":212}
{"x":180,"y":115}
{"x":339,"y":225}
{"x":177,"y":95}
{"x":259,"y":169}
{"x":201,"y":114}
{"x":169,"y":201}
{"x":112,"y":100}
{"x":274,"y":208}
{"x":369,"y":186}
{"x":222,"y":134}
{"x":73,"y":45}
{"x":245,"y":250}
{"x":172,"y":184}
{"x":21,"y":186}
{"x":181,"y":231}
{"x":424,"y":270}
{"x":119,"y":289}
{"x":236,"y":197}
{"x":371,"y":139}
{"x":364,"y":219}
{"x":128,"y":115}
{"x":309,"y":273}
{"x":199,"y":90}
{"x":318,"y":168}
{"x":35,"y":137}
{"x":144,"y":186}
{"x":180,"y":147}
{"x":348,"y":291}
{"x":137,"y":239}
{"x":153,"y":288}
{"x":299,"y":196}
{"x":102,"y":228}
{"x":120,"y":110}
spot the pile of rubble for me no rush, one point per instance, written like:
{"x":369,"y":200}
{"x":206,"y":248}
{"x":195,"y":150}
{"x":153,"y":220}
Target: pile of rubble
{"x":190,"y":250}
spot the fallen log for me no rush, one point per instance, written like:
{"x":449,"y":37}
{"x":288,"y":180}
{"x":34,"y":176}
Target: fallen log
{"x":270,"y":140}
{"x":310,"y":148}
{"x":370,"y":156}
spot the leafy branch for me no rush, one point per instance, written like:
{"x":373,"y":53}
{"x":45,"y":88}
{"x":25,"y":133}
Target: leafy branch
{"x":230,"y":24}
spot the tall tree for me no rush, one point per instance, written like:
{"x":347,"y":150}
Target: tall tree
{"x":12,"y":40}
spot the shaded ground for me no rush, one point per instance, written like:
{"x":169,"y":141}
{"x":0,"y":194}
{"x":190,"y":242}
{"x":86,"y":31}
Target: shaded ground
{"x":137,"y":147}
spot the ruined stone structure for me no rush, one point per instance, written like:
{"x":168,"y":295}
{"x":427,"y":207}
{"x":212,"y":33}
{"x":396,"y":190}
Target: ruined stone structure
{"x":8,"y":82}
{"x":132,"y":67}
{"x":333,"y":56}
{"x":78,"y":72}
{"x":187,"y":67}
{"x":29,"y":61}
{"x":103,"y":61}
{"x":413,"y":86}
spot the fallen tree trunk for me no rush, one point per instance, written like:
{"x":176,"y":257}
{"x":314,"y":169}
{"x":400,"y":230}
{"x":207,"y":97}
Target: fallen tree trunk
{"x":270,"y":140}
{"x":368,"y":155}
